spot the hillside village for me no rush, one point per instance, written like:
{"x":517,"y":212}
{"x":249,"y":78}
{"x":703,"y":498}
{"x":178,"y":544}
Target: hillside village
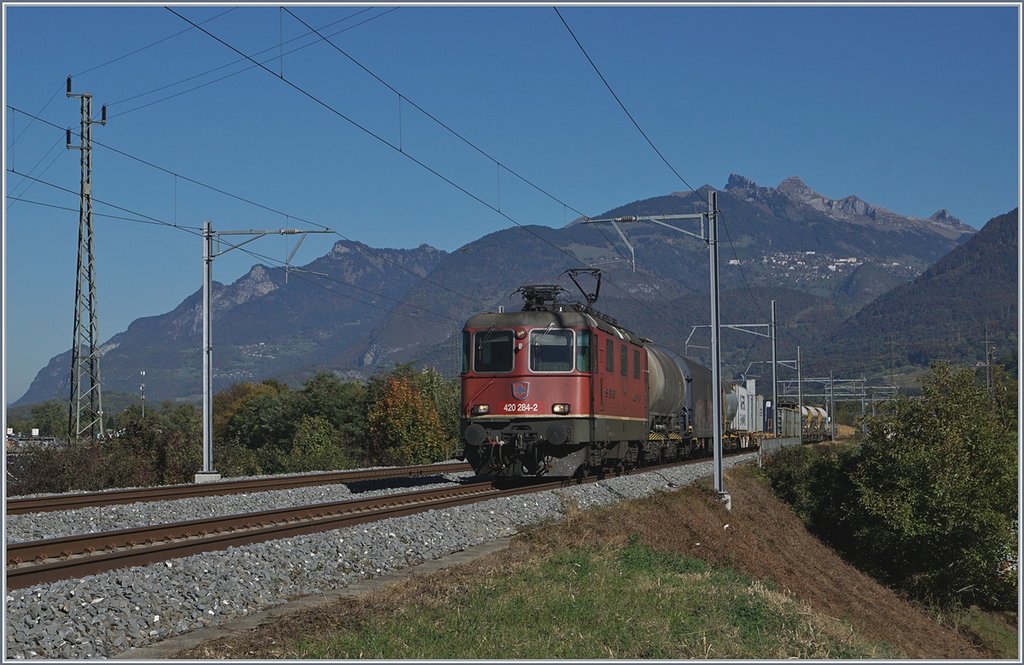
{"x":811,"y":267}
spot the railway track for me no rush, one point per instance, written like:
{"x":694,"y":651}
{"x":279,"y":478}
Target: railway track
{"x":37,"y":562}
{"x":18,"y":506}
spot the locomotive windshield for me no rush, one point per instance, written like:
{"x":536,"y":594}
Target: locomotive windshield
{"x":551,"y":350}
{"x":493,"y":352}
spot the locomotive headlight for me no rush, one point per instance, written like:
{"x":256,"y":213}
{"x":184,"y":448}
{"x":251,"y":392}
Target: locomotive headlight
{"x":481,"y":409}
{"x":560,"y":409}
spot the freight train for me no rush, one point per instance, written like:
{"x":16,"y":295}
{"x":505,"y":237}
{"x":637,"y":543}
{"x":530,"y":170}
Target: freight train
{"x":559,"y":389}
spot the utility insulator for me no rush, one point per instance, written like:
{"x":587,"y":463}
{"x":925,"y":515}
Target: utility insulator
{"x":69,"y":86}
{"x":103,"y":114}
{"x":68,"y":140}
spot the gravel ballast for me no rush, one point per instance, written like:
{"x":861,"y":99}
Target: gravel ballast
{"x":56,"y":524}
{"x":104,"y":615}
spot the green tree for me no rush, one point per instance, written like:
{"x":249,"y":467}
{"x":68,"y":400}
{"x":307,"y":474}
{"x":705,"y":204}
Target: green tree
{"x":316,"y":446}
{"x":342,"y":405}
{"x":49,"y":417}
{"x":936,"y":490}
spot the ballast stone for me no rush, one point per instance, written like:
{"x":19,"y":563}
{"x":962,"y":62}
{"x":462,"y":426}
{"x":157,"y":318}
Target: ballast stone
{"x":205,"y":589}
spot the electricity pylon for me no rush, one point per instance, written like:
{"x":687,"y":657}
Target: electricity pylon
{"x":85,"y":411}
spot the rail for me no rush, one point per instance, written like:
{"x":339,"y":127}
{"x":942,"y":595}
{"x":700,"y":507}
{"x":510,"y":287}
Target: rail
{"x":52,"y":502}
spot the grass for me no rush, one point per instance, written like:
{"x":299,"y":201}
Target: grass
{"x":994,"y":632}
{"x":607,"y":602}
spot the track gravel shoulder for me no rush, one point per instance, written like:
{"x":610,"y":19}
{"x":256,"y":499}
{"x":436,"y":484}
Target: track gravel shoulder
{"x":170,"y":648}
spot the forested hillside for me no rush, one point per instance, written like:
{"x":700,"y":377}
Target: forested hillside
{"x":942,"y":314}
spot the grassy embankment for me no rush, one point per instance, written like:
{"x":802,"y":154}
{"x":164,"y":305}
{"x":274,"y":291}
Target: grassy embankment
{"x":673,"y":576}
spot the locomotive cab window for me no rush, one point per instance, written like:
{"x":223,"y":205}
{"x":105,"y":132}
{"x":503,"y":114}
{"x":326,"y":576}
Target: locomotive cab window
{"x":551,"y":350}
{"x":583,"y":350}
{"x":493,"y":351}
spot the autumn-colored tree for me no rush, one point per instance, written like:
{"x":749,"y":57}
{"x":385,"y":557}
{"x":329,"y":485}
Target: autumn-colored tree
{"x":403,"y":423}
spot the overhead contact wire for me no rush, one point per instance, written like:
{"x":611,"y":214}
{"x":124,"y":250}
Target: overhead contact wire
{"x":383,"y":140}
{"x":195,"y":231}
{"x":267,"y":208}
{"x":465,"y":140}
{"x":651,"y":143}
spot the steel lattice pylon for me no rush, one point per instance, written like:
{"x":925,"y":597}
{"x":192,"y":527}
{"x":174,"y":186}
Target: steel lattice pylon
{"x":85,"y":412}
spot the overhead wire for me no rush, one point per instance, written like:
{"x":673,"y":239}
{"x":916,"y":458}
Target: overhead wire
{"x":500,"y":165}
{"x":468,"y":142}
{"x":194,"y":25}
{"x":383,"y":140}
{"x":109,"y":62}
{"x":198,"y":232}
{"x":27,"y":183}
{"x":513,"y":172}
{"x":235,"y":62}
{"x":651,"y":143}
{"x":243,"y":199}
{"x":150,"y":45}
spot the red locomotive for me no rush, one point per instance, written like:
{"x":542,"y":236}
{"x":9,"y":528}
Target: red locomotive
{"x":558,"y":389}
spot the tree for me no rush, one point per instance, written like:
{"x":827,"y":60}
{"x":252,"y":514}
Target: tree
{"x":49,"y":417}
{"x":316,"y":446}
{"x":403,"y":423}
{"x":936,"y":490}
{"x":928,"y":502}
{"x":445,"y":396}
{"x":341,"y":404}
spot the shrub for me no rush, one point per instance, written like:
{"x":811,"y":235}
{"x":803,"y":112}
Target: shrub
{"x":928,"y":502}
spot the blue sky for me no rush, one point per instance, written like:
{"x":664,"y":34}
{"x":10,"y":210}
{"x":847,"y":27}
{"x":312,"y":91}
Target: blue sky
{"x":911,"y":108}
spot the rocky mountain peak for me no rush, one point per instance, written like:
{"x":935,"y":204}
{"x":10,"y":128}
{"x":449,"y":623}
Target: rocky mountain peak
{"x":341,"y":248}
{"x":257,"y":282}
{"x":739,"y":183}
{"x":794,"y":187}
{"x":944,"y":217}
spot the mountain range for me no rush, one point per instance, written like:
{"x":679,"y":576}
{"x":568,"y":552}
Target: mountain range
{"x":822,"y":261}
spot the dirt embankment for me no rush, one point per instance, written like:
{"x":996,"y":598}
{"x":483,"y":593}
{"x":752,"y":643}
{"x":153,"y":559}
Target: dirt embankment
{"x":762,"y":538}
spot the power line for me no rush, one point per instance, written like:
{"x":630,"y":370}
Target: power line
{"x":440,"y":122}
{"x":381,"y":139}
{"x":651,"y":143}
{"x":621,"y":105}
{"x":468,"y":142}
{"x":40,"y":161}
{"x":575,"y":259}
{"x":237,"y":197}
{"x":109,"y":62}
{"x":95,"y":214}
{"x":150,"y":45}
{"x":398,"y":149}
{"x":191,"y":229}
{"x":418,"y":107}
{"x":234,"y":62}
{"x":147,"y":219}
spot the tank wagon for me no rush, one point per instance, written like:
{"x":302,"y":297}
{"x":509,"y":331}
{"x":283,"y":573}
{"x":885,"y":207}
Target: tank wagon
{"x":559,"y":389}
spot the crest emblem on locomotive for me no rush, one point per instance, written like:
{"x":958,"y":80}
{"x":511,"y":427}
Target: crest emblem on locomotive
{"x":521,"y":389}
